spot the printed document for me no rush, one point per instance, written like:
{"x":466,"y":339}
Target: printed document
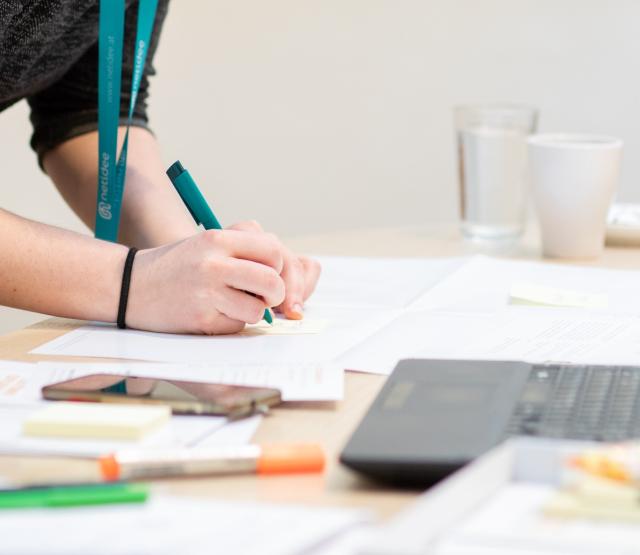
{"x":22,"y":382}
{"x":516,"y":333}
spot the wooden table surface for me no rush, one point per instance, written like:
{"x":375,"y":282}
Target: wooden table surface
{"x":330,"y":424}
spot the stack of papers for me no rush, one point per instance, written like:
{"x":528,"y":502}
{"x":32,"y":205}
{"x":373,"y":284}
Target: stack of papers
{"x":369,"y":313}
{"x":20,"y":397}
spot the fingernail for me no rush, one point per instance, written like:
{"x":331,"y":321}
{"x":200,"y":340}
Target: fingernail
{"x":296,"y":312}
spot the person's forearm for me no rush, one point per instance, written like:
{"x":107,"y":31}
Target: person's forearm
{"x":152,"y":212}
{"x":58,"y":272}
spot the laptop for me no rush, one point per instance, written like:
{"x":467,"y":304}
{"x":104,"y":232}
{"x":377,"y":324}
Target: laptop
{"x":434,"y":416}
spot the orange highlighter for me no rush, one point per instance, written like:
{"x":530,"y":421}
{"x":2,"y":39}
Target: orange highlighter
{"x":211,"y":461}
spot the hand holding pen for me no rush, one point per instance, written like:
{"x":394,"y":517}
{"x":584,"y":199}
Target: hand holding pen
{"x":213,"y":282}
{"x":198,"y":207}
{"x":217,"y":281}
{"x":299,"y":273}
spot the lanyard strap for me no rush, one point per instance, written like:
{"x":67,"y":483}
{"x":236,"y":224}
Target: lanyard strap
{"x":112,"y":171}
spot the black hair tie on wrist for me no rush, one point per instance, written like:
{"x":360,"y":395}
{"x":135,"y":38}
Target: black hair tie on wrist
{"x":124,"y":290}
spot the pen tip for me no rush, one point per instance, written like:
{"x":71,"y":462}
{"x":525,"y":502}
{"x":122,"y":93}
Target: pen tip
{"x":267,"y":316}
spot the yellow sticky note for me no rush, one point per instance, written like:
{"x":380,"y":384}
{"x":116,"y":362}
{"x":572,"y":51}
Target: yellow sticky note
{"x":531,"y":294}
{"x":597,"y":499}
{"x":282,"y":326}
{"x":96,"y":420}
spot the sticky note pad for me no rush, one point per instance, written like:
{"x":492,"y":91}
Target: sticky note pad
{"x":524,"y":293}
{"x":596,"y":505}
{"x":96,"y":420}
{"x":281,"y":326}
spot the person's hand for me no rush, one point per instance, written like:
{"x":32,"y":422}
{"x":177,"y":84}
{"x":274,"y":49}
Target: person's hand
{"x":203,"y":284}
{"x":300,"y":275}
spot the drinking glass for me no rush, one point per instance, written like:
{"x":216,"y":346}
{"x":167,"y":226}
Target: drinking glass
{"x":492,"y":161}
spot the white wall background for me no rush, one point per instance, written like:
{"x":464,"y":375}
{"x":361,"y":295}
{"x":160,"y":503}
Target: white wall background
{"x":333,"y":114}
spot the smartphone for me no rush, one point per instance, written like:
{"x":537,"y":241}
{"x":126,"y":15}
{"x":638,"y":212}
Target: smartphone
{"x":232,"y":401}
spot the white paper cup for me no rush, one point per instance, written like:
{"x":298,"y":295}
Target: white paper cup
{"x":573,"y":180}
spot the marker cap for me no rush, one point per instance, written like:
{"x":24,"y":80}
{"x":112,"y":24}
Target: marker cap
{"x":109,"y":467}
{"x":290,"y":458}
{"x":175,"y":170}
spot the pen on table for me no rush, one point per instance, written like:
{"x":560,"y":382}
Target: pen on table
{"x":73,"y":495}
{"x":197,"y":205}
{"x":244,"y":459}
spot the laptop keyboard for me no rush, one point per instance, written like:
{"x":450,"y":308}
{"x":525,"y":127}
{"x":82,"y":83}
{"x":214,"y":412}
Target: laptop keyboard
{"x":598,"y":403}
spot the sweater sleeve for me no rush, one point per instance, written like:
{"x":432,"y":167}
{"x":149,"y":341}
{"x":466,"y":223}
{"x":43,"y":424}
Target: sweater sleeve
{"x":69,"y":107}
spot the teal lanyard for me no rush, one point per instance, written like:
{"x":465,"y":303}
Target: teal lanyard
{"x":112,"y":171}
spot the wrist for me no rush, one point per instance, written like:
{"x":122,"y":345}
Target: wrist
{"x":124,"y":288}
{"x":139,"y":306}
{"x":107,"y":298}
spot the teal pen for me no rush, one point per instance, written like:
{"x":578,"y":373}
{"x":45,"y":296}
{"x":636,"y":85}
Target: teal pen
{"x":197,"y":205}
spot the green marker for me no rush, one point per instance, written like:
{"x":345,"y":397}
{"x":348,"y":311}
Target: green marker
{"x":71,"y":496}
{"x":197,"y":205}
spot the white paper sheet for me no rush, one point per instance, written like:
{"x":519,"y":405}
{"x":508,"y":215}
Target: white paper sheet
{"x":545,"y":335}
{"x":515,"y":333}
{"x":22,"y":382}
{"x":442,"y":335}
{"x":349,"y":326}
{"x":483,"y":284}
{"x":238,"y":432}
{"x":167,"y":525}
{"x":378,"y":282}
{"x":297,"y":382}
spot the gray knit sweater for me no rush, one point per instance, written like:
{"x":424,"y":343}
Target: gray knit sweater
{"x":49,"y":55}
